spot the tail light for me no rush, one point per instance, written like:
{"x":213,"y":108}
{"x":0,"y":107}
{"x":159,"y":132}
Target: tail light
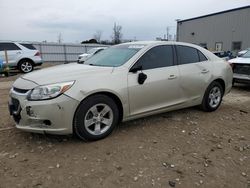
{"x":232,"y":65}
{"x":38,"y":54}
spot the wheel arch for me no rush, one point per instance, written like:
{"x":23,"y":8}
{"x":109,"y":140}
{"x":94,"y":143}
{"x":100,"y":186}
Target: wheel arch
{"x":113,"y":96}
{"x":23,"y":59}
{"x":222,"y":83}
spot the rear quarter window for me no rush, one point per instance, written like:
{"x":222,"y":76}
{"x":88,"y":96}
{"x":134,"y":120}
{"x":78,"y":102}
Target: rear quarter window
{"x":29,"y":46}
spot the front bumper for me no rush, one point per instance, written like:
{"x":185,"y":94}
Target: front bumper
{"x":241,"y":78}
{"x":53,"y":116}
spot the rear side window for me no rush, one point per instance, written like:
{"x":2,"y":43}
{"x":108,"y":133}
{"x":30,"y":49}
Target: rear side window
{"x":187,"y":55}
{"x":8,"y":46}
{"x":29,"y":46}
{"x":160,"y":56}
{"x":202,"y":57}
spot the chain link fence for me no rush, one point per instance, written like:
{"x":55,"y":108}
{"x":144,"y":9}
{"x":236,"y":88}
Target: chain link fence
{"x":64,"y":53}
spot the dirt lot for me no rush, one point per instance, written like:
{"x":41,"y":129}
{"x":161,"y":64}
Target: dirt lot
{"x":186,"y":148}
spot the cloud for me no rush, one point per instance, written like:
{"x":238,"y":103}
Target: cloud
{"x":78,"y":20}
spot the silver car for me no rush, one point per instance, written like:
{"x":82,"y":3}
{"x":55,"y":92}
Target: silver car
{"x":121,"y":83}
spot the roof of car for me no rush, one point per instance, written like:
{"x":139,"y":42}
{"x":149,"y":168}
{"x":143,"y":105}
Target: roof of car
{"x":152,"y":43}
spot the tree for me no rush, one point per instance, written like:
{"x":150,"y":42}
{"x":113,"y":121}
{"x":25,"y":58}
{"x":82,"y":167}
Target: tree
{"x":91,"y":41}
{"x":97,"y":36}
{"x":117,"y":35}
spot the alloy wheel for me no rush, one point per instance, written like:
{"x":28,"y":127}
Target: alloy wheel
{"x":98,"y":119}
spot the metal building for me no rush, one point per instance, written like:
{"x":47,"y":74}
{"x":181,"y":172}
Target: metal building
{"x":228,"y":30}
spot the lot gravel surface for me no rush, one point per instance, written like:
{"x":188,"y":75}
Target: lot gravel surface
{"x":186,"y":148}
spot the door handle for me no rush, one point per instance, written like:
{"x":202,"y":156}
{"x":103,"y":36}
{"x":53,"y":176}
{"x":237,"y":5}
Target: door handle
{"x":18,"y":53}
{"x":204,"y":71}
{"x":171,"y":77}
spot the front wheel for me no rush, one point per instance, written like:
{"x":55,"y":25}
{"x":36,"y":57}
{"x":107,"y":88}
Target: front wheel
{"x":96,"y":118}
{"x":213,"y":97}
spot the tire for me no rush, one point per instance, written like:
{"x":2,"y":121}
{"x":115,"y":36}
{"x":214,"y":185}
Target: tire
{"x":26,"y":66}
{"x":213,"y":97}
{"x":95,"y":118}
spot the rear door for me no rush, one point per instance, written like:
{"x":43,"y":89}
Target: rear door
{"x":161,"y":87}
{"x":195,"y":72}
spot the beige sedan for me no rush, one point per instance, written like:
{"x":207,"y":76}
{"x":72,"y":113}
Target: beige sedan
{"x":121,"y":83}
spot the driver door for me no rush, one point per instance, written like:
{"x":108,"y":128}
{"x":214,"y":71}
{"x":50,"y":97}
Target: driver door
{"x":161,"y":86}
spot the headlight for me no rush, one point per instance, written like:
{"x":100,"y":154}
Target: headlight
{"x":49,"y":91}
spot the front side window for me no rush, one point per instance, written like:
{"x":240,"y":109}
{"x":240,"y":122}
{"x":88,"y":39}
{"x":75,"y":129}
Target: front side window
{"x":8,"y":46}
{"x":160,"y":56}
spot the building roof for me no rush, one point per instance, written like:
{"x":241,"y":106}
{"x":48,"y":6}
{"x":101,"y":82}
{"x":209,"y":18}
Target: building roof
{"x":213,"y":14}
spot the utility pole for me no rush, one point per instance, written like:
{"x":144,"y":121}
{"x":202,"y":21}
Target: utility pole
{"x":168,"y":28}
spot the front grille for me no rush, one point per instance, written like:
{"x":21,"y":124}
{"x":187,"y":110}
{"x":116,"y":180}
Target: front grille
{"x":20,"y":90}
{"x":242,"y":69}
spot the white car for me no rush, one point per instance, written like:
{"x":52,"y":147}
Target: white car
{"x":23,"y":56}
{"x":90,"y":53}
{"x":241,"y":53}
{"x":121,"y":83}
{"x":241,"y":68}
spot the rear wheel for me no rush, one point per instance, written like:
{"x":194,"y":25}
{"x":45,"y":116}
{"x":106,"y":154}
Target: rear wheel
{"x":96,"y":118}
{"x":26,"y":66}
{"x":213,"y":97}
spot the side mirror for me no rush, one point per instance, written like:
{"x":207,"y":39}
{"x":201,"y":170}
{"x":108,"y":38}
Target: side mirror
{"x":141,"y":78}
{"x":135,"y":69}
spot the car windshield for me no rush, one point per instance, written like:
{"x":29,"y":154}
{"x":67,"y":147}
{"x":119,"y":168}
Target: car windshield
{"x":246,"y":55}
{"x":114,"y":56}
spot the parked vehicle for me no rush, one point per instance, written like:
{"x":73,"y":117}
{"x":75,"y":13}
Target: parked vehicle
{"x":121,"y":83}
{"x":241,"y":53}
{"x":241,"y":68}
{"x":23,"y":56}
{"x":90,"y":53}
{"x":224,"y":55}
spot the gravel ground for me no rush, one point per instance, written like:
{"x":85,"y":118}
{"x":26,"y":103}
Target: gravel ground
{"x":186,"y":148}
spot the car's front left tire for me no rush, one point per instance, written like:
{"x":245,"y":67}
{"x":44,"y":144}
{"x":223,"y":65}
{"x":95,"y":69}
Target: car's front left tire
{"x":95,"y":118}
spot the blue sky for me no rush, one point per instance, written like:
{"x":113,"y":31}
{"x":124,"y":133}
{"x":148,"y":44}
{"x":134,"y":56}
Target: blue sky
{"x":78,"y":20}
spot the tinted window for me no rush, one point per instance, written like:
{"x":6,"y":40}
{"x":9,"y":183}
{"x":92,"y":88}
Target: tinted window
{"x":8,"y":46}
{"x":29,"y":46}
{"x":160,"y":56}
{"x":187,"y":55}
{"x":201,"y":56}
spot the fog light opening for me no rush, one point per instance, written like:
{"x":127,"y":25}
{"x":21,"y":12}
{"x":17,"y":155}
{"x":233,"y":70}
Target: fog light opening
{"x":47,"y":122}
{"x":30,"y":111}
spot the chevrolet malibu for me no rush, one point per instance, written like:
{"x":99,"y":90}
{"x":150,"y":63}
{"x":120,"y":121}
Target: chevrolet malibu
{"x":122,"y":83}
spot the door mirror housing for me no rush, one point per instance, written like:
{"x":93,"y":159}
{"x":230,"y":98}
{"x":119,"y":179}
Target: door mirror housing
{"x":141,"y":78}
{"x":135,"y":68}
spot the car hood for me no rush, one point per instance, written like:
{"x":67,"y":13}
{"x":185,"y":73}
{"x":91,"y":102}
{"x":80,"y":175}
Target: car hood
{"x":63,"y":73}
{"x":240,"y":60}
